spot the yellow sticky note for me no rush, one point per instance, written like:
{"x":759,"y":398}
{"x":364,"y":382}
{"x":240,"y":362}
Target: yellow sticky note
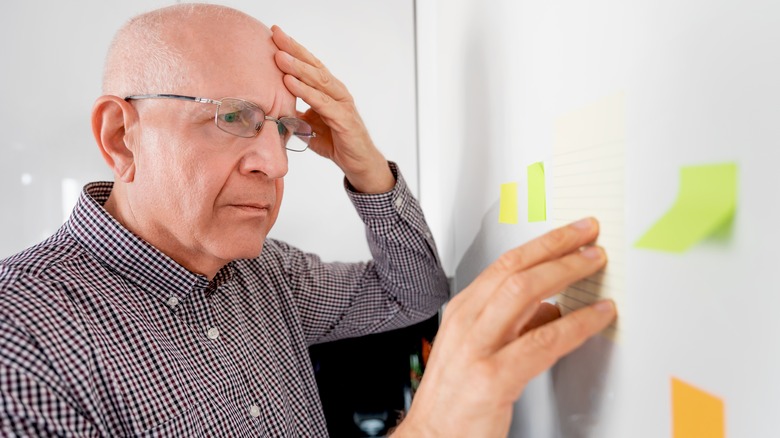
{"x":537,"y":198}
{"x":507,"y":213}
{"x":695,"y":413}
{"x":704,"y":207}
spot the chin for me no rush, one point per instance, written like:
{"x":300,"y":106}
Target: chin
{"x":250,"y":252}
{"x":240,"y":247}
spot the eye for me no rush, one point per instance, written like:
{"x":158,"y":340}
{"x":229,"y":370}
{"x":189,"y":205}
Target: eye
{"x":231,"y":117}
{"x":283,"y":131}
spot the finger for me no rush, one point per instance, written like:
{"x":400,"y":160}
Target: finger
{"x":296,"y":60}
{"x":515,"y":301}
{"x":551,"y":245}
{"x":287,"y":44}
{"x":540,"y":348}
{"x":328,"y":109}
{"x":316,"y":77}
{"x":544,"y":314}
{"x":316,"y":99}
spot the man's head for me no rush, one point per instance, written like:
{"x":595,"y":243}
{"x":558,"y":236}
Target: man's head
{"x":201,"y":195}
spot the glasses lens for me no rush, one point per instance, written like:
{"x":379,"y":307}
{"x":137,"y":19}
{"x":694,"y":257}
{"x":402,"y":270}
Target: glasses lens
{"x":301,"y":133}
{"x":239,"y":117}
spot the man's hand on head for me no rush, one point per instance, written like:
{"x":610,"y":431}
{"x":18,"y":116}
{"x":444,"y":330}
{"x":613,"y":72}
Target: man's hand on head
{"x":341,"y":134}
{"x":497,"y":334}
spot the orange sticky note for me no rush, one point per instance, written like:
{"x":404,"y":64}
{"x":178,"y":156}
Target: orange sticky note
{"x":695,"y":413}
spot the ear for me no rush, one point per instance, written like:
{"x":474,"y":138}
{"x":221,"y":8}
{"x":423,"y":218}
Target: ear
{"x":113,"y":120}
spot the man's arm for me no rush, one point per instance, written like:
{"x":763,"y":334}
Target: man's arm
{"x":341,"y":135}
{"x":403,"y":283}
{"x":32,"y":401}
{"x":497,"y":335}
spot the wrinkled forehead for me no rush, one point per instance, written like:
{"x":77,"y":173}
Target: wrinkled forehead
{"x":232,"y":58}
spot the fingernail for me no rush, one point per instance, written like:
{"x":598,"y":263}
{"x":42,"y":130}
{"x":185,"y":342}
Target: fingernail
{"x":583,"y":224}
{"x":605,"y":306}
{"x":592,"y":252}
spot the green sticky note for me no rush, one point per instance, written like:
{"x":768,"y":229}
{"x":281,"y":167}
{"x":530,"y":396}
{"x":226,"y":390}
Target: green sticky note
{"x":705,"y":207}
{"x":507,"y":212}
{"x":537,"y":198}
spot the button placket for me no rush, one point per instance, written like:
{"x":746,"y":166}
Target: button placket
{"x":172,"y":301}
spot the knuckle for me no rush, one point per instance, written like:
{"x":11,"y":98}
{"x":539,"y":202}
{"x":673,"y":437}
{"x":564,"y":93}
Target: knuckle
{"x":556,"y":239}
{"x":324,"y":77}
{"x":517,"y":284}
{"x":545,"y":338}
{"x":509,"y":261}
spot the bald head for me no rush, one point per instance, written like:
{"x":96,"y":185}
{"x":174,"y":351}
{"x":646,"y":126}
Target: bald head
{"x":156,"y":52}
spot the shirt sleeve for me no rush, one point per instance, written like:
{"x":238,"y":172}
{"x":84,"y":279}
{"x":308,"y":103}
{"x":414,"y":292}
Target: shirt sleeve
{"x":33,"y":401}
{"x":403,"y":284}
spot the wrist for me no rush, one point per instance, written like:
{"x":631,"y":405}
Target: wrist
{"x":411,"y":428}
{"x":376,"y":178}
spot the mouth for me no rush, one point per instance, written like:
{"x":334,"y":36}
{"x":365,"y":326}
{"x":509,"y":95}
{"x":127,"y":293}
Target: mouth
{"x":251,"y":208}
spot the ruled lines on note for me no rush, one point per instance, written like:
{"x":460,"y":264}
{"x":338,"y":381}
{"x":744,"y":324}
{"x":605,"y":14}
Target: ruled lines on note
{"x":588,"y":179}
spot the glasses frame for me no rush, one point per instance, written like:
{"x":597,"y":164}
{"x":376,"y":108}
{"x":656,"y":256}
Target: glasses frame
{"x":303,"y":137}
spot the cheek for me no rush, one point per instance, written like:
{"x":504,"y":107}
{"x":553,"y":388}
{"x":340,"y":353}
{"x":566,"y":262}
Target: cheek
{"x":199,"y":184}
{"x":179,"y":184}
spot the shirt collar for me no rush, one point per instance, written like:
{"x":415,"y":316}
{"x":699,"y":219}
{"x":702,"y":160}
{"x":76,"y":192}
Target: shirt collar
{"x":128,"y":255}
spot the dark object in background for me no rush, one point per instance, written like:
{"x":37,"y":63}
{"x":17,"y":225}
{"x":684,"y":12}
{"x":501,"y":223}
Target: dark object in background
{"x":366,"y":383}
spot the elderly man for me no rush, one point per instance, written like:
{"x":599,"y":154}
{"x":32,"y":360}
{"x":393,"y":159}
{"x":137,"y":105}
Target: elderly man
{"x":161,"y":308}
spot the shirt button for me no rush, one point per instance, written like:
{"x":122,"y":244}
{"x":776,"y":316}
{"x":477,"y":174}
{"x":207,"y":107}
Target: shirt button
{"x":254,"y":411}
{"x":213,"y":333}
{"x":398,"y":202}
{"x":172,"y":301}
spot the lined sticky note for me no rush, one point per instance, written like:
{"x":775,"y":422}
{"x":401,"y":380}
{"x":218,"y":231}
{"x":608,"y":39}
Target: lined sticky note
{"x":695,"y":413}
{"x":587,"y":177}
{"x":705,"y":206}
{"x":507,"y":212}
{"x":537,"y":198}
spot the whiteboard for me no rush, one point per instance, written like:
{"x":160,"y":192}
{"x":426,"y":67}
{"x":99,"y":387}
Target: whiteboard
{"x":699,"y":81}
{"x":52,"y":57}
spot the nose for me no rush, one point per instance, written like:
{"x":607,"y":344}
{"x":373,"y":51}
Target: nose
{"x":266,"y":154}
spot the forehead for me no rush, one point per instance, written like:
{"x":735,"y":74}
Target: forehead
{"x":235,"y":58}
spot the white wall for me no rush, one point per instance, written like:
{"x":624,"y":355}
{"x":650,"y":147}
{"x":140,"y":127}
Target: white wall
{"x":700,"y":85}
{"x":52,"y":55}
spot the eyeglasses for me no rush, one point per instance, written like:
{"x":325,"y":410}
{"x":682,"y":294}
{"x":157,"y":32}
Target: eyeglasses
{"x":245,"y":119}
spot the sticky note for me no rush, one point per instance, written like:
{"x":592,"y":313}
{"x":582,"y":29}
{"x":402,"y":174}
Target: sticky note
{"x":537,"y":201}
{"x":705,"y":206}
{"x":695,"y":413}
{"x":507,"y":212}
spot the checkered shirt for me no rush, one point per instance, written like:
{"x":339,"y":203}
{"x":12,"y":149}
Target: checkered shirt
{"x":103,"y":335}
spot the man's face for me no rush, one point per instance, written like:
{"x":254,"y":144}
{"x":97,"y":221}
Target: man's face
{"x":204,"y":194}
